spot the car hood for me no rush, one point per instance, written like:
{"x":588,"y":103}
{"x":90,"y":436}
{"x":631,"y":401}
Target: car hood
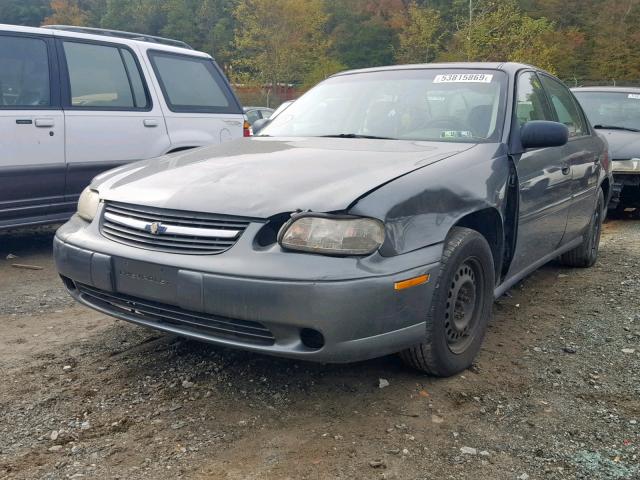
{"x":261,"y":177}
{"x":623,"y":145}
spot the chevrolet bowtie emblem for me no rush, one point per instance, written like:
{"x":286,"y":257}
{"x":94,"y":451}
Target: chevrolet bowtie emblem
{"x":154,"y":228}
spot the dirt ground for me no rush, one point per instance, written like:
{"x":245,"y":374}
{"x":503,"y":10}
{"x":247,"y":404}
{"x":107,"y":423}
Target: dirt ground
{"x":555,"y":393}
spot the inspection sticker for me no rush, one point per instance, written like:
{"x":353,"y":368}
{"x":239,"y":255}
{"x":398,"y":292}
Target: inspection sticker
{"x":634,"y":95}
{"x":463,"y":78}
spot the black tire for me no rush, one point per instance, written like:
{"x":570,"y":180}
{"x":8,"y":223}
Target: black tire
{"x":455,"y":329}
{"x":586,"y":254}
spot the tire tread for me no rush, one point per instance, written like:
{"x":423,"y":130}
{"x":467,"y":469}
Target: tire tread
{"x":421,"y":356}
{"x":580,"y":256}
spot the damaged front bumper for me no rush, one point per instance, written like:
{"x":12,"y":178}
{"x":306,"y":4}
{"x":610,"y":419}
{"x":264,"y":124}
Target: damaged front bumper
{"x":245,"y":302}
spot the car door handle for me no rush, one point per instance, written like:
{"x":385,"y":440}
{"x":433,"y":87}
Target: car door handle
{"x":44,"y":122}
{"x":150,"y":122}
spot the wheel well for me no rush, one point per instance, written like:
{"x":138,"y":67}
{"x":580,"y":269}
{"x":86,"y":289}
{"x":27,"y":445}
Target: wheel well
{"x":605,"y":189}
{"x":488,"y":223}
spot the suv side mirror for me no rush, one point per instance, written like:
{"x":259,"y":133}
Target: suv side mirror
{"x":543,"y":134}
{"x":259,"y":125}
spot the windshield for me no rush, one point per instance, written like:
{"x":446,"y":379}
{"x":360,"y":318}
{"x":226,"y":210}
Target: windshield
{"x":424,"y":104}
{"x":611,"y":109}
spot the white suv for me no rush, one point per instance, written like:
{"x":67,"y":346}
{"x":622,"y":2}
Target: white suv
{"x":77,"y":101}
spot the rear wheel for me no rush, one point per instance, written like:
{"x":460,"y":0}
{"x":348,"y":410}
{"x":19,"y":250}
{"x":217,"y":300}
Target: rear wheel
{"x":586,"y":254}
{"x":460,"y":307}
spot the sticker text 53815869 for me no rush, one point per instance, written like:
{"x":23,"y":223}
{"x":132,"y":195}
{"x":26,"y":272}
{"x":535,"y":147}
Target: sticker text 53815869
{"x":463,"y":78}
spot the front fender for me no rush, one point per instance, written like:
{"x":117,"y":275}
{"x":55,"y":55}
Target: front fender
{"x":421,"y":207}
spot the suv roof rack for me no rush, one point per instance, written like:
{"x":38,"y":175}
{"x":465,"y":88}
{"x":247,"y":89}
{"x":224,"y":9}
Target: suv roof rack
{"x":120,"y":34}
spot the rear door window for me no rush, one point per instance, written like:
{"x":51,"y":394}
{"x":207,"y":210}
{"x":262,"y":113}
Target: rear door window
{"x":103,"y":77}
{"x":192,"y":84}
{"x":24,"y":73}
{"x":565,"y":107}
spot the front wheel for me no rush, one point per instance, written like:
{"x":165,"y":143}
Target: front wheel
{"x":460,"y":307}
{"x":586,"y":254}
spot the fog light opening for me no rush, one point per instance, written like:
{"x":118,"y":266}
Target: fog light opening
{"x":312,"y":338}
{"x":68,"y":283}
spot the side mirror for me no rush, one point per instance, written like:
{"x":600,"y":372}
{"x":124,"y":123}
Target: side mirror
{"x":259,"y":125}
{"x":543,"y":134}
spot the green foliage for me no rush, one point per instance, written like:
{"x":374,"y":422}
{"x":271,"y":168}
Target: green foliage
{"x":322,"y":68}
{"x":21,"y":12}
{"x":419,"y":39}
{"x":279,"y":41}
{"x":500,"y":31}
{"x":615,"y":54}
{"x":363,"y":42}
{"x":144,"y":16}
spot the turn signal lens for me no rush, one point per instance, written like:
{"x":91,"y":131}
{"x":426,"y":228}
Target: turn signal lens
{"x":246,"y":129}
{"x":412,"y":282}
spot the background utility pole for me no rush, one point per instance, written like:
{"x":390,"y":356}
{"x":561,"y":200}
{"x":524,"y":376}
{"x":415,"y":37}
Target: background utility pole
{"x":469,"y":30}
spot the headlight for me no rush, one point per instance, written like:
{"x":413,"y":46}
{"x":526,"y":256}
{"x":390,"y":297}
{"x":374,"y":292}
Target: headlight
{"x":332,"y":234}
{"x":88,"y":204}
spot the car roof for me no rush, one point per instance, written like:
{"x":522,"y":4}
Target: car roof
{"x":507,"y":67}
{"x":110,"y":36}
{"x":607,"y":89}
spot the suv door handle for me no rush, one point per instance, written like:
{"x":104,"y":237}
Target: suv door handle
{"x":150,"y":122}
{"x":44,"y":122}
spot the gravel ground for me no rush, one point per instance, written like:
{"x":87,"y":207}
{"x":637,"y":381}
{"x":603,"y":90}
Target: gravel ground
{"x":555,"y":393}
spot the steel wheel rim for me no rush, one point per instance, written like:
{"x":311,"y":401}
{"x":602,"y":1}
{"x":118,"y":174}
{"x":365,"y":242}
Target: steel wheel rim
{"x":463,"y":305}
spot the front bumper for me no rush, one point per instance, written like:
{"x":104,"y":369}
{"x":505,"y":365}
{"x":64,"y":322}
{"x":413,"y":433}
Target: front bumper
{"x":626,"y":184}
{"x":356,"y":317}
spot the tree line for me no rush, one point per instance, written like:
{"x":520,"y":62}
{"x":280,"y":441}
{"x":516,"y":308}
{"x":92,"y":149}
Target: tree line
{"x":302,"y":41}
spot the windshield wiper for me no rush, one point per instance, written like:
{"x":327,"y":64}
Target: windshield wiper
{"x":616,"y":127}
{"x":355,"y":135}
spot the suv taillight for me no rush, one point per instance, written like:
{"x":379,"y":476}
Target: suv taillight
{"x":246,"y":129}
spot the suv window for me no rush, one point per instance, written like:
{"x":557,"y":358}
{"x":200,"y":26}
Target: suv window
{"x":565,"y":106}
{"x":192,"y":84}
{"x":24,"y":75}
{"x":531,"y":103}
{"x":102,"y":76}
{"x":137,"y":85}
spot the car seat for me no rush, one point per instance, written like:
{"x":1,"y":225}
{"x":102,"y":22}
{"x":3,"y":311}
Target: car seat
{"x":479,"y":120}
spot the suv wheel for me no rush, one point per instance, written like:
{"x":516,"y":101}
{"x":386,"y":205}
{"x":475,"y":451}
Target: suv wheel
{"x":586,"y":254}
{"x":460,"y":307}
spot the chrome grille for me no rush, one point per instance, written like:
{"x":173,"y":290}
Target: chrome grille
{"x":155,"y":314}
{"x":172,"y":231}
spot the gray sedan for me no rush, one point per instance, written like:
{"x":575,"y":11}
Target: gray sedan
{"x":615,"y":112}
{"x":383,"y":213}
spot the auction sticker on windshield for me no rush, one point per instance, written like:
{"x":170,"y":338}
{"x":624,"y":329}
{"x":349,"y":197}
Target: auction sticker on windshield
{"x":634,"y":96}
{"x":463,"y":78}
